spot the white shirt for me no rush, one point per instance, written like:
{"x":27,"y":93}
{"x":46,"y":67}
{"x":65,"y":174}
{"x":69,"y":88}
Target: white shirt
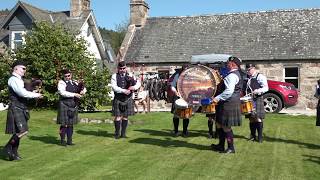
{"x":62,"y":89}
{"x":230,"y":82}
{"x":262,"y":80}
{"x":17,"y":84}
{"x":118,"y":89}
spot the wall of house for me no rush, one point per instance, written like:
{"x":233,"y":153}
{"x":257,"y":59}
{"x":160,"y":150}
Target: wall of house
{"x":308,"y":75}
{"x":92,"y":46}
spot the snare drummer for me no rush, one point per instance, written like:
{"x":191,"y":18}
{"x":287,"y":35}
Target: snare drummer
{"x":176,"y":96}
{"x":228,"y":111}
{"x":257,"y":85}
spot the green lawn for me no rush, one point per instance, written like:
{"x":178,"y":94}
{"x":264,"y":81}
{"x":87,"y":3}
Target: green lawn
{"x":291,"y":150}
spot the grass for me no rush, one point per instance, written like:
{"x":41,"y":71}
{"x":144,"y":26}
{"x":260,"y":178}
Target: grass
{"x":291,"y":150}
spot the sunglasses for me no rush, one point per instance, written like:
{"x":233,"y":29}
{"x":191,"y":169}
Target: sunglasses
{"x":122,"y":68}
{"x":67,"y":75}
{"x":23,"y":68}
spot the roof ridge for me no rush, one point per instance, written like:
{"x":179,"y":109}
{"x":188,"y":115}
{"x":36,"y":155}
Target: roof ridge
{"x":235,"y":13}
{"x":26,"y":4}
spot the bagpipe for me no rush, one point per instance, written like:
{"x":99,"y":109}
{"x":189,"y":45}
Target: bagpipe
{"x":34,"y":85}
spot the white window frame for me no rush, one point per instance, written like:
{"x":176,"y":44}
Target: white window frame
{"x":12,"y":40}
{"x":297,"y":78}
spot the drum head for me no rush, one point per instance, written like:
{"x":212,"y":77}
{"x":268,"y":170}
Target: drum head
{"x":198,"y":82}
{"x":246,"y":98}
{"x":181,"y":103}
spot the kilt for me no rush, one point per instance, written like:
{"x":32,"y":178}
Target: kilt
{"x":120,"y":108}
{"x":228,"y":113}
{"x":67,"y":112}
{"x":259,"y":109}
{"x":17,"y":119}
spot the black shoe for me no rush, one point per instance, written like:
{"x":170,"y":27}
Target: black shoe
{"x":123,"y":136}
{"x":116,"y":136}
{"x":8,"y":151}
{"x":259,"y":140}
{"x":15,"y":158}
{"x":230,"y":151}
{"x":63,"y":143}
{"x":252,"y":138}
{"x":175,"y":134}
{"x":210,"y":136}
{"x":70,"y":144}
{"x":217,"y":148}
{"x":185,"y":135}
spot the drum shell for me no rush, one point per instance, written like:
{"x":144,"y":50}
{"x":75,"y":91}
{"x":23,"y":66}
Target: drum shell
{"x":246,"y":106}
{"x":185,"y":113}
{"x":209,"y":109}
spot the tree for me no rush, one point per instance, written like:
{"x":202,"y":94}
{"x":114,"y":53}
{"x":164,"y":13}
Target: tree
{"x":48,"y":50}
{"x":116,"y":37}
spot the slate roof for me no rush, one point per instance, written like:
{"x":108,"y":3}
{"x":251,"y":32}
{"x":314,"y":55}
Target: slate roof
{"x":62,"y":17}
{"x":268,"y":35}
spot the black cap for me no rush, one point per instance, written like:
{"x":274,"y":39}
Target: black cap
{"x":236,"y":60}
{"x":250,"y":65}
{"x":18,"y":63}
{"x":66,"y":71}
{"x":121,"y":64}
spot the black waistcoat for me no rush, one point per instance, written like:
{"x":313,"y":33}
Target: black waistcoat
{"x":70,"y":87}
{"x":254,"y":84}
{"x":16,"y":99}
{"x":237,"y":88}
{"x":124,"y":82}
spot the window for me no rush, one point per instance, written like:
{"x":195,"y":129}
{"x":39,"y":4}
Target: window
{"x":163,"y":74}
{"x":17,"y":39}
{"x":89,"y":31}
{"x":291,"y":75}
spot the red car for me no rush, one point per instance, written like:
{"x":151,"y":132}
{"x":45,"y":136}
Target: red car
{"x":280,"y":95}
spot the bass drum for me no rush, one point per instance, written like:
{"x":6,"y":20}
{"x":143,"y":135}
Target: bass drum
{"x":198,"y":82}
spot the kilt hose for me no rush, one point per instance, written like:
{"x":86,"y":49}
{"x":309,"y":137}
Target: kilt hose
{"x":259,"y":109}
{"x":67,"y":112}
{"x":228,"y":113}
{"x":123,"y":108}
{"x":318,"y":114}
{"x":17,"y":119}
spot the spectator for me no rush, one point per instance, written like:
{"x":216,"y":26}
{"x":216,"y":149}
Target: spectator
{"x":141,"y":98}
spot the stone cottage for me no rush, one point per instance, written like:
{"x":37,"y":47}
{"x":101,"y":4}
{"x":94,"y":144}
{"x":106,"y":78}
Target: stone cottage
{"x":284,"y":43}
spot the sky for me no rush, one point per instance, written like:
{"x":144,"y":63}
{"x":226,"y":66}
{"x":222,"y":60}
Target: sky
{"x":111,"y":13}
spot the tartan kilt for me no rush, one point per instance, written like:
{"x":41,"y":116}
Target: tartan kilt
{"x":228,"y":113}
{"x":67,"y":112}
{"x":17,"y":119}
{"x":127,"y":110}
{"x":259,"y":109}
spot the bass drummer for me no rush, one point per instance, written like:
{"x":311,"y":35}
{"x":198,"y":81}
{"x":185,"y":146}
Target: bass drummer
{"x":256,"y":86}
{"x":176,"y":96}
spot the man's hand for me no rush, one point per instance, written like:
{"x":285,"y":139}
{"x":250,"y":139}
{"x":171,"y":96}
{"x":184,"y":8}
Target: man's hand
{"x":82,"y":92}
{"x":215,"y":101}
{"x":127,"y":92}
{"x":131,"y":88}
{"x":78,"y":95}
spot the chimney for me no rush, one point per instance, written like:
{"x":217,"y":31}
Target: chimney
{"x":78,"y":6}
{"x":138,"y":12}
